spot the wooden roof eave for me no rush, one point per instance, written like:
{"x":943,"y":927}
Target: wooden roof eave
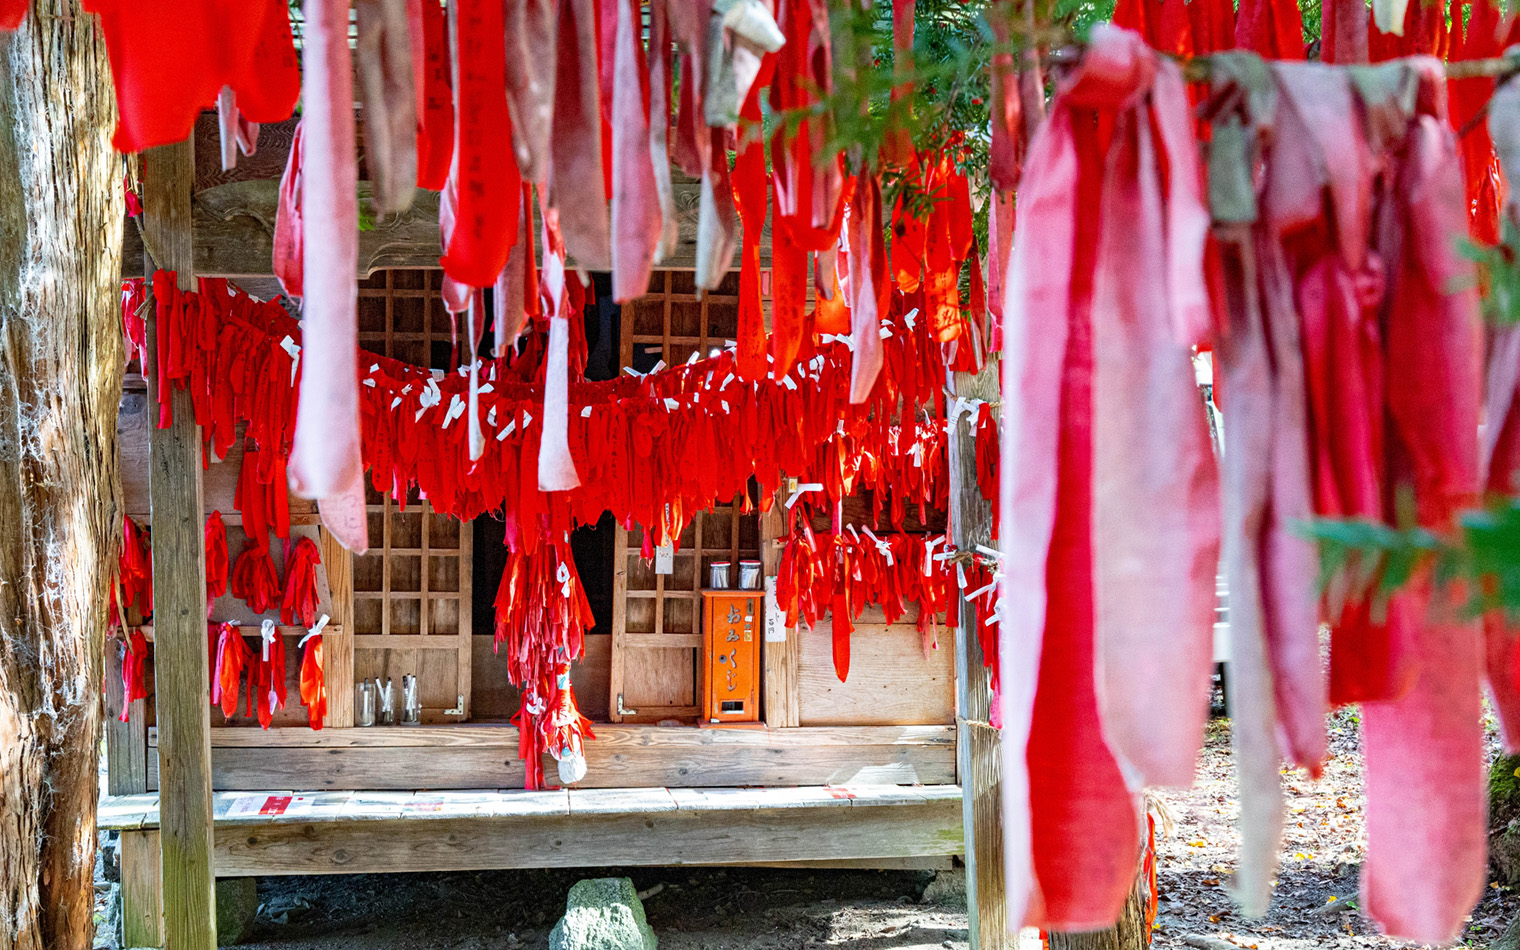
{"x":233,"y":232}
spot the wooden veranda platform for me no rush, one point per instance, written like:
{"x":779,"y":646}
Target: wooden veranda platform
{"x":342,"y":832}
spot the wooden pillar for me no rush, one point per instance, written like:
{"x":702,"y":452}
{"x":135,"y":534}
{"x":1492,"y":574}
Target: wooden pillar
{"x":780,"y":656}
{"x":977,"y":757}
{"x":181,"y":667}
{"x":338,"y":644}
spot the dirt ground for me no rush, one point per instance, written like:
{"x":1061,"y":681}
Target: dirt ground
{"x":696,"y":909}
{"x":759,"y":909}
{"x":1315,"y":902}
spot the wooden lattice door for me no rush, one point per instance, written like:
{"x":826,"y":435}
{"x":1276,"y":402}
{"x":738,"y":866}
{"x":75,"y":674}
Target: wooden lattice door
{"x":412,"y":607}
{"x":657,"y":603}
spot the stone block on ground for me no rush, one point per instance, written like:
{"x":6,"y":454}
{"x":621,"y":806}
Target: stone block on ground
{"x":948,"y":888}
{"x":603,"y":914}
{"x":237,"y":903}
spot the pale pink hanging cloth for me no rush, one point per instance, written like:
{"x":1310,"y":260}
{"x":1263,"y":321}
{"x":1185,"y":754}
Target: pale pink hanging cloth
{"x":326,"y":461}
{"x":556,"y":468}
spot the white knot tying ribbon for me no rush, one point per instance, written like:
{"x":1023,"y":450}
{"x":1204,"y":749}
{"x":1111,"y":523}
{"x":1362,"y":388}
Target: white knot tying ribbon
{"x":294,"y":349}
{"x":456,"y":409}
{"x":802,"y":490}
{"x":882,"y":547}
{"x":982,"y":591}
{"x":313,"y":632}
{"x":267,"y":633}
{"x":929,"y":547}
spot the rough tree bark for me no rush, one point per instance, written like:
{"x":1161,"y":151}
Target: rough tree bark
{"x":1127,"y":934}
{"x":60,"y":383}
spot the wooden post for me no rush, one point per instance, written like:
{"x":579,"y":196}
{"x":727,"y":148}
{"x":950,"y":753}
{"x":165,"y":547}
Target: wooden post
{"x":780,"y":657}
{"x":179,"y":594}
{"x":977,"y":756}
{"x":338,"y":645}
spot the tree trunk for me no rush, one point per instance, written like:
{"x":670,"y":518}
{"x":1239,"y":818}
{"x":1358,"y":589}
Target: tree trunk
{"x":60,"y":383}
{"x":1128,"y":934}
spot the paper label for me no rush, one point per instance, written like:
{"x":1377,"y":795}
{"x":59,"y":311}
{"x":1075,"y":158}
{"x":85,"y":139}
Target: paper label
{"x":775,"y":620}
{"x":665,"y":559}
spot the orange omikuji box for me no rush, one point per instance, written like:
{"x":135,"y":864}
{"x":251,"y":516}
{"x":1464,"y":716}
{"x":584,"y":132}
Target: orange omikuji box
{"x":732,"y":621}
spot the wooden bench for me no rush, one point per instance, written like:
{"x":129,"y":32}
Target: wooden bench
{"x":342,"y":832}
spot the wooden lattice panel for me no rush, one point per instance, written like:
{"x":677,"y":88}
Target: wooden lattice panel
{"x":671,"y":322}
{"x":412,"y":608}
{"x":657,"y":618}
{"x":412,"y":604}
{"x":401,"y":315}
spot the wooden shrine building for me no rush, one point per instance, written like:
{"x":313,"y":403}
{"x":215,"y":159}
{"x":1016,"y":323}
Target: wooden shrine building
{"x":896,"y":767}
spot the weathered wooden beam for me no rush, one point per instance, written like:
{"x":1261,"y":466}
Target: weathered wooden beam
{"x":977,"y":754}
{"x":179,"y":587}
{"x":126,"y":742}
{"x":671,"y":837}
{"x":233,"y":227}
{"x":465,"y":757}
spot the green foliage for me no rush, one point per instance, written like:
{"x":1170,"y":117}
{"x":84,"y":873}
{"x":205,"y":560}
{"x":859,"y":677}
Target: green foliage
{"x":1080,"y":16}
{"x":1498,"y":273}
{"x":952,"y":50}
{"x":1480,"y":559}
{"x":1359,"y":557}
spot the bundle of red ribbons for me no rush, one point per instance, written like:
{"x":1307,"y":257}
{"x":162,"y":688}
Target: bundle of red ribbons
{"x":843,"y":572}
{"x":264,"y":668}
{"x":908,"y":466}
{"x":653,"y":450}
{"x":134,"y":573}
{"x":1350,"y":34}
{"x":134,"y":662}
{"x":542,"y":616}
{"x":216,"y":559}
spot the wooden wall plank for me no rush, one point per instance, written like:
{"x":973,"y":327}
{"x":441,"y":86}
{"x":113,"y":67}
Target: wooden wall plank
{"x":179,"y":588}
{"x":625,"y":736}
{"x":661,"y":838}
{"x":142,"y":902}
{"x":234,"y":232}
{"x":126,"y":742}
{"x":621,"y":757}
{"x":891,"y":682}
